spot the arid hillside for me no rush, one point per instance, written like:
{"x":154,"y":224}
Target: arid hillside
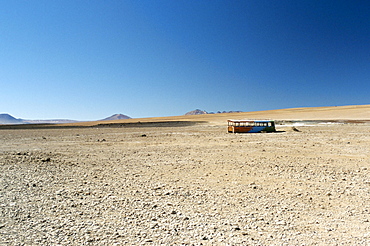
{"x":356,"y":112}
{"x":351,"y":114}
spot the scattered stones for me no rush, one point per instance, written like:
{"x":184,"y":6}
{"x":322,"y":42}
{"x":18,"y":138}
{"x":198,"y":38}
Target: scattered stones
{"x":46,"y":159}
{"x":295,"y":129}
{"x":172,"y":188}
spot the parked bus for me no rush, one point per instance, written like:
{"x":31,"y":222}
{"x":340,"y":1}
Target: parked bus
{"x":250,"y":126}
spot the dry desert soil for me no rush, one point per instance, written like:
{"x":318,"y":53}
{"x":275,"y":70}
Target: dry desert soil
{"x":187,"y":183}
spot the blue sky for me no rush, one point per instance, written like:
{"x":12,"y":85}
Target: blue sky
{"x":87,"y":60}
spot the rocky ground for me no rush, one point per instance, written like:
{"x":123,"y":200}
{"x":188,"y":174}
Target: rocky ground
{"x":186,"y":185}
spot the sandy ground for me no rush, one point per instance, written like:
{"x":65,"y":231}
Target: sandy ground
{"x":185,"y":185}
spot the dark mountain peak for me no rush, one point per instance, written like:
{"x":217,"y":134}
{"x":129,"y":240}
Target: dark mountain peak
{"x":118,"y":117}
{"x":196,"y":112}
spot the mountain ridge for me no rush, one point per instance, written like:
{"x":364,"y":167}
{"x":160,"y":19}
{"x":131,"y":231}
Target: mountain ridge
{"x":199,"y":112}
{"x":6,"y":118}
{"x":345,"y":112}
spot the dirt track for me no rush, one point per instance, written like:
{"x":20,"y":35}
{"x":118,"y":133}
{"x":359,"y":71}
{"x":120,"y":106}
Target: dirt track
{"x":185,"y":185}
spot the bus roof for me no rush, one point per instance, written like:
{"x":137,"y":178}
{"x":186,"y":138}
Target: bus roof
{"x":262,"y":121}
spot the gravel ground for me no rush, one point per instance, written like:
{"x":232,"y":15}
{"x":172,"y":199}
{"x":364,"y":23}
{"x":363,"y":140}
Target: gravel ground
{"x":187,"y":185}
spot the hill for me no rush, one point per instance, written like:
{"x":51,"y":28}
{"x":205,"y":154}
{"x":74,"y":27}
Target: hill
{"x":196,"y":112}
{"x":117,"y":117}
{"x":352,"y":113}
{"x":8,"y":119}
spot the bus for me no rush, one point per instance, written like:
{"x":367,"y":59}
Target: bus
{"x":250,"y":126}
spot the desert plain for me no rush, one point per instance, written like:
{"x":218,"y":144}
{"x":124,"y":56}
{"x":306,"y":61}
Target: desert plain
{"x":186,"y":181}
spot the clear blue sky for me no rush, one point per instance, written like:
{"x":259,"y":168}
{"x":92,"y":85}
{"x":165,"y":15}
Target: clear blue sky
{"x":86,"y":60}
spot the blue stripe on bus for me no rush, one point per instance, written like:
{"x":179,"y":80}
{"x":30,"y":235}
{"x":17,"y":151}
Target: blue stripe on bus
{"x":257,"y":129}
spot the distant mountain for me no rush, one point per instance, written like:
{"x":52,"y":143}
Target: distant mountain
{"x":198,"y":111}
{"x":226,"y":112}
{"x":54,"y":121}
{"x":8,"y":119}
{"x":118,"y":117}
